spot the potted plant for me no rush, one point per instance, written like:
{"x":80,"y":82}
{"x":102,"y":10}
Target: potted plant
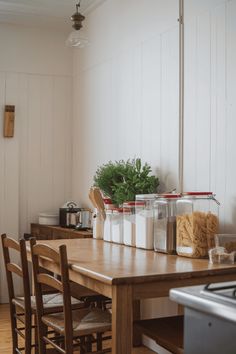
{"x":122,"y":180}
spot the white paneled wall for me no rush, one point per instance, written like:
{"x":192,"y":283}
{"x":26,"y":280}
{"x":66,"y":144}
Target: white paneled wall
{"x":126,"y":91}
{"x":35,"y":165}
{"x":210,"y":96}
{"x":126,"y":98}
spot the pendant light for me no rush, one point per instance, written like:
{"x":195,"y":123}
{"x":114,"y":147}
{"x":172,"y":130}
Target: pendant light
{"x":77,"y":37}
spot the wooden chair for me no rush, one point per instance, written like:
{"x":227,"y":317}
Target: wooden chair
{"x":23,"y":309}
{"x":165,"y":331}
{"x":74,"y":328}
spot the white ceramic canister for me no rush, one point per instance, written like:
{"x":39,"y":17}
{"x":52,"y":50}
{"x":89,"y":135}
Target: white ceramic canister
{"x":49,"y":218}
{"x":129,"y":221}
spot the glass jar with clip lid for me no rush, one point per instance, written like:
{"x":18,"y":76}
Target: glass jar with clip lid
{"x":165,"y":222}
{"x":197,"y":223}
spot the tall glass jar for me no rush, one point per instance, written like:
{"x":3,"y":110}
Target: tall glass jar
{"x":145,"y":221}
{"x":196,"y":224}
{"x":129,"y":221}
{"x":107,"y":236}
{"x":117,"y":225}
{"x":165,"y":223}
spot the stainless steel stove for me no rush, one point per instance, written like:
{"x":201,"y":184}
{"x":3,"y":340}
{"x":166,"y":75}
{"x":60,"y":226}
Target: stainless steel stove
{"x":210,"y":318}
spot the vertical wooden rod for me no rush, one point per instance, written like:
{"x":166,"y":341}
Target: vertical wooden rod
{"x":181,"y":95}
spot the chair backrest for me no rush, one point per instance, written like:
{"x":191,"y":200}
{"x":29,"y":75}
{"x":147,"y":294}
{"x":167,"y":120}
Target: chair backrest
{"x":22,"y":271}
{"x":40,"y":253}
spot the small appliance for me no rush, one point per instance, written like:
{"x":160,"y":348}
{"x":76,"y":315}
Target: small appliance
{"x":74,"y":217}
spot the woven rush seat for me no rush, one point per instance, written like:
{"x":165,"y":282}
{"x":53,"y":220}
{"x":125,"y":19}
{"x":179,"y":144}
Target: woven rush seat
{"x":83,"y":321}
{"x":51,"y":302}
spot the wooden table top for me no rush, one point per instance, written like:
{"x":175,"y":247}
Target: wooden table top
{"x":118,"y":264}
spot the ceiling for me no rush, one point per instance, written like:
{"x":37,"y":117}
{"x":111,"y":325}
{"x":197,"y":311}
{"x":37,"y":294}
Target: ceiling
{"x":43,"y":13}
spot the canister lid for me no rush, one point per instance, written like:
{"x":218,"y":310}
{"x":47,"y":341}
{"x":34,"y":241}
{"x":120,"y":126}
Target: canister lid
{"x":107,"y":201}
{"x":197,"y":193}
{"x":133,"y":203}
{"x":118,"y":210}
{"x":169,"y":195}
{"x":145,"y":196}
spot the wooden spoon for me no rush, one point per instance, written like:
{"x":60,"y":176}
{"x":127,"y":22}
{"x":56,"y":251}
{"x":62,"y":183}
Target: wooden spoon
{"x":99,"y":201}
{"x":91,"y":197}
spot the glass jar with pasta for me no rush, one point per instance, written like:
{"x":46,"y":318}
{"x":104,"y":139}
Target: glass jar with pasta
{"x":197,"y":222}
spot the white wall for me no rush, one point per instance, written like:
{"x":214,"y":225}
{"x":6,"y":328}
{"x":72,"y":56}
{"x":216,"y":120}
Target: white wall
{"x":210,"y":98}
{"x":126,"y":94}
{"x":126,"y":98}
{"x":125,"y":85}
{"x":35,"y":165}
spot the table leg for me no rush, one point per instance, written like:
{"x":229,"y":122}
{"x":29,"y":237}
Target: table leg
{"x":122,"y":319}
{"x":137,"y":336}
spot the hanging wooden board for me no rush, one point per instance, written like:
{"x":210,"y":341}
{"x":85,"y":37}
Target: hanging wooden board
{"x":9,"y":120}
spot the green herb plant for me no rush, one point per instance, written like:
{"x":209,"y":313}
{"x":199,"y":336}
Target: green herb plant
{"x":122,"y":180}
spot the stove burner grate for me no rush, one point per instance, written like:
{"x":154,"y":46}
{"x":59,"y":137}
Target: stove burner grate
{"x":221,"y":291}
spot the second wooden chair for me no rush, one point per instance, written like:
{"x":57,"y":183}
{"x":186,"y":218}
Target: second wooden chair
{"x":74,"y":328}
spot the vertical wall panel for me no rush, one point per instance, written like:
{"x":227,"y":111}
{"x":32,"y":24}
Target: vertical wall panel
{"x":190,"y":104}
{"x":34,"y":153}
{"x":230,"y":156}
{"x":218,"y":106}
{"x":46,"y":143}
{"x":2,"y":184}
{"x":23,"y":133}
{"x":151,"y":102}
{"x":169,"y":126}
{"x":10,"y":170}
{"x":11,"y":182}
{"x":61,"y":140}
{"x":202,"y":133}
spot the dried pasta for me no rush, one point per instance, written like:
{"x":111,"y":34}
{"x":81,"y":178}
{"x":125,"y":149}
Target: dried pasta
{"x":230,"y":246}
{"x":195,"y":233}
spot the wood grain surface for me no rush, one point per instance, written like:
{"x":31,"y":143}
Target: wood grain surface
{"x":127,"y":274}
{"x":111,"y":263}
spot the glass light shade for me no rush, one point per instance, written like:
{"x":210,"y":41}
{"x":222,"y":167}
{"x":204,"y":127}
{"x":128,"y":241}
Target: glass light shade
{"x":77,"y":39}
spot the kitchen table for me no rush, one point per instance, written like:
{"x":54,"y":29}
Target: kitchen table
{"x":128,"y":274}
